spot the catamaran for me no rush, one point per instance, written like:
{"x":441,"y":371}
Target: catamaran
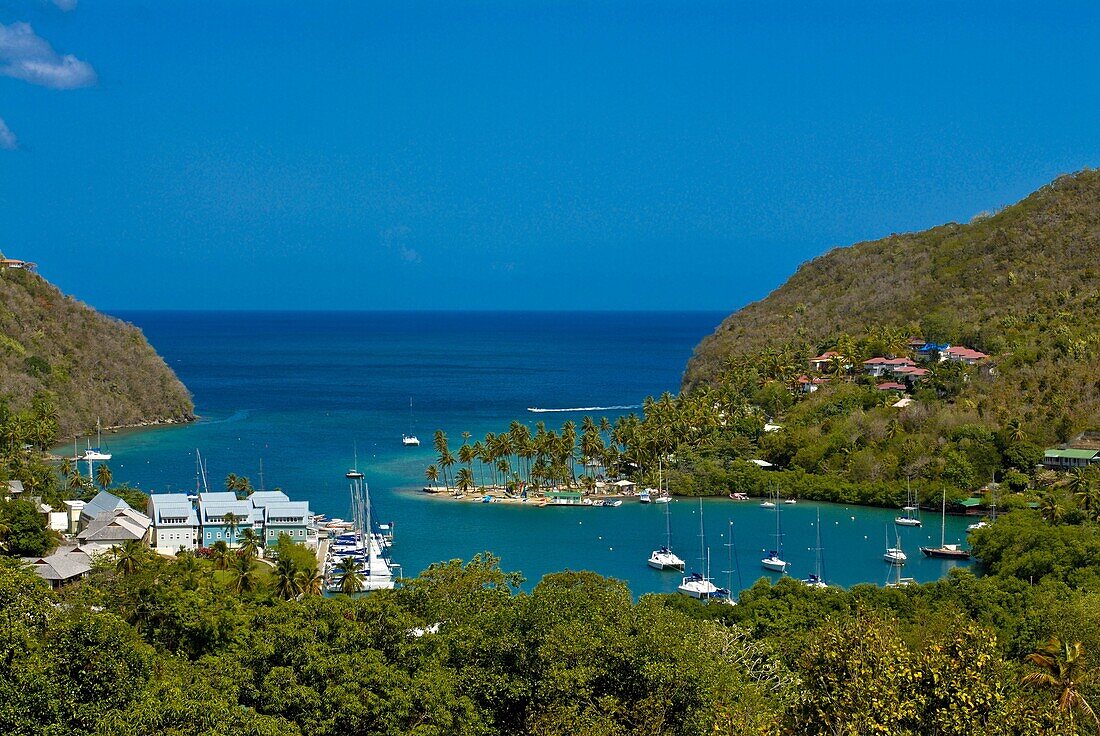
{"x":410,"y":440}
{"x":909,"y":508}
{"x":664,"y":558}
{"x":698,"y":584}
{"x":816,"y":579}
{"x":945,"y":551}
{"x":775,"y":561}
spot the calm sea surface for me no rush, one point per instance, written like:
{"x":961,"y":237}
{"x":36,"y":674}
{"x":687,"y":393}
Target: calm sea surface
{"x":301,"y":391}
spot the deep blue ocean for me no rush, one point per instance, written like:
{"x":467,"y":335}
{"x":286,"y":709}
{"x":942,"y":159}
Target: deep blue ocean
{"x":304,"y":391}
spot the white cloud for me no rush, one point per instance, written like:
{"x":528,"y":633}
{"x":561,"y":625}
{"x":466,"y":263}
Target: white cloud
{"x":7,"y":138}
{"x":65,"y":5}
{"x":27,"y":56}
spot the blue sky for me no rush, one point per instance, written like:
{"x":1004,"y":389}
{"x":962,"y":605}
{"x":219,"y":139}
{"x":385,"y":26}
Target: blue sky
{"x":514,"y":155}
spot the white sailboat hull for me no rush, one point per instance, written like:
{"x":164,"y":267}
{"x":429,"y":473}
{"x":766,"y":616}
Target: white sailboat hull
{"x":774,"y":564}
{"x":665,"y":561}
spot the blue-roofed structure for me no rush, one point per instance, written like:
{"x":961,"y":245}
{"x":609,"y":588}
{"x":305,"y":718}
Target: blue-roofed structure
{"x":290,"y":518}
{"x":213,"y":508}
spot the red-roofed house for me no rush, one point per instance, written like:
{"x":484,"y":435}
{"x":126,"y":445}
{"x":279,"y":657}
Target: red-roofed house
{"x":891,"y":386}
{"x":809,"y":385}
{"x":824,"y":360}
{"x":875,"y":366}
{"x":961,"y":354}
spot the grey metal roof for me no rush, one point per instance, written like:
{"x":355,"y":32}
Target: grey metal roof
{"x":296,"y":510}
{"x":172,"y":506}
{"x":60,"y":566}
{"x":103,"y":503}
{"x":122,"y":525}
{"x":260,"y":499}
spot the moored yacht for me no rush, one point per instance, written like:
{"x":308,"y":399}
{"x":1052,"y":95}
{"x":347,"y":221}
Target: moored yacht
{"x":945,"y":551}
{"x":664,"y":558}
{"x":774,"y":561}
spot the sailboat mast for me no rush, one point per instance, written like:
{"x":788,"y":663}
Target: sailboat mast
{"x":820,"y":571}
{"x":702,"y":553}
{"x":943,"y":519}
{"x":668,"y":528}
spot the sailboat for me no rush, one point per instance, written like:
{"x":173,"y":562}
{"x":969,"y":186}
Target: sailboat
{"x":410,"y":440}
{"x":767,"y":503}
{"x":894,"y":555}
{"x":899,"y":581}
{"x":775,"y":561}
{"x":95,"y":454}
{"x":664,"y":558}
{"x":698,"y":584}
{"x":726,"y":596}
{"x":945,"y":551}
{"x":816,"y":579}
{"x":909,"y":508}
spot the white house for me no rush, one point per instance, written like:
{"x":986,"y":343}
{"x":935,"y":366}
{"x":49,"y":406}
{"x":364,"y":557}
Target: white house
{"x":175,"y":525}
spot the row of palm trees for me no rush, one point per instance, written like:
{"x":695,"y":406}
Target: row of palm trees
{"x":632,"y":445}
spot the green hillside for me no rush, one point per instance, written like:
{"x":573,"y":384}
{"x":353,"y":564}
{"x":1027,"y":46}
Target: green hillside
{"x":96,"y":367}
{"x":1022,"y":285}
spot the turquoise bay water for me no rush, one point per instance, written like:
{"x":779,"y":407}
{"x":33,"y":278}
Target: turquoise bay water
{"x":301,"y":390}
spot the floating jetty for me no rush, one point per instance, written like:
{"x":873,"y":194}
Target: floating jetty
{"x":362,"y":548}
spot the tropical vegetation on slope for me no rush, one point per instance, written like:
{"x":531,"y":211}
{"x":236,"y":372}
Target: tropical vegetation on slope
{"x":96,"y":368}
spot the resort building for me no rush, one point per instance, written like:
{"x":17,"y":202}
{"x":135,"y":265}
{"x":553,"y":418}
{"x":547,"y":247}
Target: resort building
{"x":276,"y":514}
{"x":964,"y":355}
{"x":808,"y":385}
{"x":61,"y":567}
{"x":824,"y":360}
{"x":175,"y":525}
{"x":215,"y":511}
{"x":14,"y":488}
{"x":1069,"y":458}
{"x":116,"y":528}
{"x":103,"y":503}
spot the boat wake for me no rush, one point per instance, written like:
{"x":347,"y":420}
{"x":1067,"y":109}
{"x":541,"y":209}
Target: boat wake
{"x":537,"y":410}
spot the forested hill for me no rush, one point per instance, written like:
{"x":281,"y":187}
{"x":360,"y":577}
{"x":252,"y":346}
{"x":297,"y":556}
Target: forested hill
{"x":996,"y":284}
{"x":96,"y":367}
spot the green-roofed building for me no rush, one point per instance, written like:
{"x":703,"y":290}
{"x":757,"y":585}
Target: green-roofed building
{"x":970,"y":503}
{"x":1069,"y":458}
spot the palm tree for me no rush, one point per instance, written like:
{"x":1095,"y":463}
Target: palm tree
{"x":286,"y":579}
{"x":245,"y":579}
{"x":352,"y":572}
{"x":231,"y":521}
{"x":310,"y":581}
{"x":464,"y":479}
{"x":432,"y":475}
{"x":187,"y":566}
{"x":1016,"y":431}
{"x":219,"y":553}
{"x":250,"y":542}
{"x":128,"y":557}
{"x":1062,"y":669}
{"x":1051,"y":511}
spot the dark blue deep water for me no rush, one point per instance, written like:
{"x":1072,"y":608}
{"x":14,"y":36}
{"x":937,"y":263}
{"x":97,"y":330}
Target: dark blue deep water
{"x":301,"y":390}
